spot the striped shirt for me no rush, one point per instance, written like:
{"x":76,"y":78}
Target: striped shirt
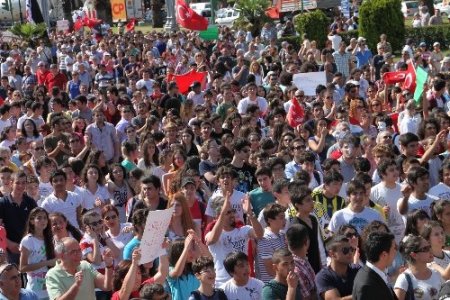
{"x":266,"y":247}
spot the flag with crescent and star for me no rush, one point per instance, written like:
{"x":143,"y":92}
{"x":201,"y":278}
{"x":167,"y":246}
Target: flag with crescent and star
{"x":188,"y":18}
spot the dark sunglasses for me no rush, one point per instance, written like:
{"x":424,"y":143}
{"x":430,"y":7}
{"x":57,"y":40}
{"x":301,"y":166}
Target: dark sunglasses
{"x":350,"y":235}
{"x":347,"y":250}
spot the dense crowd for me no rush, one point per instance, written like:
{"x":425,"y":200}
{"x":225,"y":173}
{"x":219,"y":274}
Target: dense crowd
{"x":276,"y":194}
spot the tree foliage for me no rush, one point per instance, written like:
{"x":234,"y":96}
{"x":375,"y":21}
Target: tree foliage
{"x":28,"y":31}
{"x":252,"y":12}
{"x":314,"y":24}
{"x":382,"y":16}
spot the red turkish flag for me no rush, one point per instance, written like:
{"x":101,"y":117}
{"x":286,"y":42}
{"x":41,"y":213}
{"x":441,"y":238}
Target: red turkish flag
{"x":185,"y":80}
{"x":273,"y":12}
{"x":131,"y":24}
{"x":410,"y":79}
{"x":188,"y":18}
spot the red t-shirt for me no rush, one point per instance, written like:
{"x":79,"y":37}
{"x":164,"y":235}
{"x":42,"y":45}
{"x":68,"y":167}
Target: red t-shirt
{"x":115,"y":296}
{"x":59,"y":80}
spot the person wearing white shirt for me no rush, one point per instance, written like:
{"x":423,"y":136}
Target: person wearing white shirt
{"x":62,"y":200}
{"x":241,"y":285}
{"x":442,"y":189}
{"x":252,"y":99}
{"x":409,"y":121}
{"x":356,"y":213}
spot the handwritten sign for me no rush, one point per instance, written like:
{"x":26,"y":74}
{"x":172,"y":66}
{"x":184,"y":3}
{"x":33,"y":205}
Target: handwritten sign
{"x":154,"y":232}
{"x":309,"y":81}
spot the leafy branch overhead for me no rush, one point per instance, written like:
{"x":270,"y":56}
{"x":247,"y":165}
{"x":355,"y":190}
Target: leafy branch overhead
{"x":252,"y":12}
{"x":28,"y":31}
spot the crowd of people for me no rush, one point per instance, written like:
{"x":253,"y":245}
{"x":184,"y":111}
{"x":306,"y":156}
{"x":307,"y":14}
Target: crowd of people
{"x":276,"y":194}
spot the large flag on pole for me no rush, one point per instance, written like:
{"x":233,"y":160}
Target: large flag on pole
{"x":34,"y":14}
{"x":188,"y":18}
{"x":421,"y":79}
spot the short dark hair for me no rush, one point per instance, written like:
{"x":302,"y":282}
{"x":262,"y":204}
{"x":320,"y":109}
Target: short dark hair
{"x":297,"y":236}
{"x":152,"y":179}
{"x":150,"y":290}
{"x":407,"y":138}
{"x":279,"y":254}
{"x":377,"y":243}
{"x":263,"y":171}
{"x":361,"y":164}
{"x":241,"y":144}
{"x":272,"y":210}
{"x":57,"y":173}
{"x":225,"y":170}
{"x":299,"y":195}
{"x":232,"y":260}
{"x":353,"y":186}
{"x":384,"y":164}
{"x":329,"y":163}
{"x":332,"y":176}
{"x":279,"y":185}
{"x":415,"y":173}
{"x":307,"y":156}
{"x":201,"y":263}
{"x":362,"y":177}
{"x":334,"y":241}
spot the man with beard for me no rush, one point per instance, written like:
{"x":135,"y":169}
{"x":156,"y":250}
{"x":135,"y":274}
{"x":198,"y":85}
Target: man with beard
{"x":225,"y":237}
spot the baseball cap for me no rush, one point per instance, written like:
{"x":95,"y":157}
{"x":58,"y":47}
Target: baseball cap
{"x":422,"y":44}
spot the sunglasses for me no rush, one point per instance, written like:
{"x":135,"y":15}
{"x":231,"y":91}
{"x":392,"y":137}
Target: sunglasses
{"x":350,"y":235}
{"x":347,"y":250}
{"x":113,"y":217}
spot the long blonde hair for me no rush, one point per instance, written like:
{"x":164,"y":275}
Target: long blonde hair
{"x":186,"y":218}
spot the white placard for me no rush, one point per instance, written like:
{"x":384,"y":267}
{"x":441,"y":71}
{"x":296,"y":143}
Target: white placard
{"x":309,"y":81}
{"x":62,"y":25}
{"x":154,"y":233}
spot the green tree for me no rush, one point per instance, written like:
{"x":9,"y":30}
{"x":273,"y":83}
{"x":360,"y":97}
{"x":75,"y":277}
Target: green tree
{"x":314,"y":24}
{"x":382,"y":16}
{"x":157,"y":16}
{"x":252,"y":12}
{"x":29,"y":32}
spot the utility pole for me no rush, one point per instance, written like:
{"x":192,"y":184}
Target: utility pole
{"x":20,"y":11}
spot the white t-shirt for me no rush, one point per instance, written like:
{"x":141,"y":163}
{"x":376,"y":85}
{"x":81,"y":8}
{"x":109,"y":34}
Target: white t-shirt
{"x":236,"y":203}
{"x":359,"y":220}
{"x":246,"y":102}
{"x":89,"y":198}
{"x":423,"y":289}
{"x":229,"y":241}
{"x":4,"y":124}
{"x":384,"y":196}
{"x":416,"y":204}
{"x":37,"y":253}
{"x":441,"y":191}
{"x":45,"y":189}
{"x":443,"y":262}
{"x":67,"y":207}
{"x":251,"y":291}
{"x":121,"y":240}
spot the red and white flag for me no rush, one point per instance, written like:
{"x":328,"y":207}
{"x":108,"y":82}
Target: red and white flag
{"x":188,"y":18}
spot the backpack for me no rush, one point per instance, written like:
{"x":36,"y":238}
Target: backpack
{"x":220,"y":293}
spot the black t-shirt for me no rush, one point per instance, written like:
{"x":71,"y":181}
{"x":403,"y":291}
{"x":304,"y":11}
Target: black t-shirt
{"x":139,"y":204}
{"x":15,"y":216}
{"x":246,"y":178}
{"x":313,"y":251}
{"x":327,"y":279}
{"x":378,"y":62}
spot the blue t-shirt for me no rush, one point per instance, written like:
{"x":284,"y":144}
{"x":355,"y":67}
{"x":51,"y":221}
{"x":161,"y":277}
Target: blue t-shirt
{"x":24,"y":295}
{"x":128,"y":250}
{"x":182,"y":287}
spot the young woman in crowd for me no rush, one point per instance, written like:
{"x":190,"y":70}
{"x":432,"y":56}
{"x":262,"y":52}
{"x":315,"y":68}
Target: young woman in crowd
{"x":37,"y":253}
{"x":119,"y":189}
{"x":149,"y":160}
{"x":96,"y":195}
{"x":62,"y":228}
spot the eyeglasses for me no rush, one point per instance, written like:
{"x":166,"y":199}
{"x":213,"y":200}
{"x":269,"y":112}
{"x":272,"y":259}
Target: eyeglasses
{"x":350,"y":235}
{"x":347,"y":250}
{"x":376,"y":104}
{"x":424,"y":249}
{"x":112,"y":217}
{"x":99,"y":222}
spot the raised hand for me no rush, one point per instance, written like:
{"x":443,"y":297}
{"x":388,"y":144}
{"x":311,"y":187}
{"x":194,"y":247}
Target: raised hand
{"x":136,"y":256}
{"x":108,"y":257}
{"x":78,"y":278}
{"x":292,"y":280}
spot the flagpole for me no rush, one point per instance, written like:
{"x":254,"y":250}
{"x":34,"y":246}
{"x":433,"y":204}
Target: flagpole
{"x":171,"y":21}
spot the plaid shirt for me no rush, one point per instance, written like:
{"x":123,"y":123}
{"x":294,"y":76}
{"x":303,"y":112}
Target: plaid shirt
{"x":306,"y":275}
{"x":342,"y":62}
